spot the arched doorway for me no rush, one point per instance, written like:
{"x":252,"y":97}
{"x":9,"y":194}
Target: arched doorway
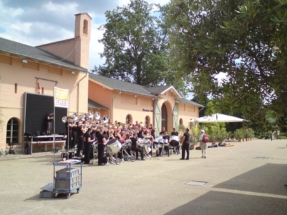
{"x":129,"y":119}
{"x":12,"y":135}
{"x":164,"y":116}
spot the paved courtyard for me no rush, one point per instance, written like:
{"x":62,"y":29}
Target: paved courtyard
{"x":247,"y":178}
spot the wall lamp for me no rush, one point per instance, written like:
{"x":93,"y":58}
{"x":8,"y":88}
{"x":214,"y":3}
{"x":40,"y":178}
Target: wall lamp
{"x":136,"y":96}
{"x":73,"y":72}
{"x":24,"y":61}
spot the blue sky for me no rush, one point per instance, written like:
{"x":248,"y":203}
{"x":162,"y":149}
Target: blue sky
{"x":36,"y":22}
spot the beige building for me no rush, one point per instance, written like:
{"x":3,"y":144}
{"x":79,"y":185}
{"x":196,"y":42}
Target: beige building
{"x":127,"y":103}
{"x":36,"y":70}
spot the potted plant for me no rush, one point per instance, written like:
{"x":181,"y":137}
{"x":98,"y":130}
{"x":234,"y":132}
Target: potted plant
{"x":222,"y":134}
{"x":213,"y":132}
{"x":239,"y":134}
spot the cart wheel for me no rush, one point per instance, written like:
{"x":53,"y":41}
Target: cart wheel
{"x":132,"y":158}
{"x":112,"y":161}
{"x":118,"y":161}
{"x":78,"y":190}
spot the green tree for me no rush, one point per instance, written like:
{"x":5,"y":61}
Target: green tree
{"x":136,"y":44}
{"x":244,"y":39}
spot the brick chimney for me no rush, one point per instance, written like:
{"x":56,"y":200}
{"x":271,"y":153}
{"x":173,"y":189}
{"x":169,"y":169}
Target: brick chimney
{"x":76,"y":50}
{"x":82,"y":39}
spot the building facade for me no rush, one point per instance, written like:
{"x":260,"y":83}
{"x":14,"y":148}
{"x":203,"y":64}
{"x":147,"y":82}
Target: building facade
{"x":127,"y":103}
{"x":26,"y":69}
{"x":36,"y":70}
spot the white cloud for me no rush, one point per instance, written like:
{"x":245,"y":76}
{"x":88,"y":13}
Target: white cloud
{"x":96,"y":47}
{"x":37,"y":22}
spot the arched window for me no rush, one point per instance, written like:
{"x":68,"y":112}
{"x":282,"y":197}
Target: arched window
{"x":147,"y":121}
{"x":164,"y":116}
{"x":12,"y":135}
{"x":180,"y":121}
{"x":85,"y":27}
{"x":129,"y":119}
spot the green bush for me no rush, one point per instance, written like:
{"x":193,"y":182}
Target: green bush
{"x":239,"y":133}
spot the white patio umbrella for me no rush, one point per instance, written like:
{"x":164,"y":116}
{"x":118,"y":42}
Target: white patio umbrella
{"x":217,"y":117}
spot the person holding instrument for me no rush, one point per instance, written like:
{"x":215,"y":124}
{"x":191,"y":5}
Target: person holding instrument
{"x":135,"y":146}
{"x":88,"y":140}
{"x":101,"y":146}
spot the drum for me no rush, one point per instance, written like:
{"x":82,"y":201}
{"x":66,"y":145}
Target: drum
{"x":158,"y":139}
{"x":114,"y":146}
{"x":147,"y":142}
{"x":174,"y":141}
{"x":176,"y":138}
{"x":129,"y":143}
{"x":158,"y":142}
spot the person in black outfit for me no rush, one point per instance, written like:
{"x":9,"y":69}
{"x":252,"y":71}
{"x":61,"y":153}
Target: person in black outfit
{"x":75,"y":135}
{"x":50,"y":118}
{"x":174,"y":132}
{"x":140,"y":133}
{"x":185,"y":145}
{"x":88,"y":140}
{"x":80,"y":134}
{"x":152,"y":129}
{"x":69,"y":126}
{"x":101,"y":147}
{"x":135,"y":147}
{"x":163,"y":131}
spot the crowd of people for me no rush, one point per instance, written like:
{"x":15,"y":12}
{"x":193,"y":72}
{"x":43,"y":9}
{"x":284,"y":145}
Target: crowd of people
{"x":83,"y":133}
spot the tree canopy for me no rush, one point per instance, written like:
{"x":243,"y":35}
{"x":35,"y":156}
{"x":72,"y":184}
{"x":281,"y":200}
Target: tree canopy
{"x":243,"y":39}
{"x":135,"y":44}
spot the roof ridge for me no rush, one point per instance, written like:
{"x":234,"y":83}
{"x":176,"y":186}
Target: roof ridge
{"x":36,"y":53}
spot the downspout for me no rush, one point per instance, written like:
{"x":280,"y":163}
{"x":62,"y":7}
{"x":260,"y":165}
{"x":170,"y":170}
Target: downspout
{"x":78,"y":91}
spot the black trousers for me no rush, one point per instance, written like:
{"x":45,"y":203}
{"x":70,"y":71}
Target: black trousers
{"x":137,"y":150}
{"x":101,"y":148}
{"x":75,"y":137}
{"x":185,"y":147}
{"x":69,"y":140}
{"x":80,"y":145}
{"x":88,"y":149}
{"x":165,"y":148}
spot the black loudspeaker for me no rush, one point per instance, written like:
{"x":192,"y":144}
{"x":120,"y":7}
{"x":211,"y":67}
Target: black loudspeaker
{"x":37,"y":133}
{"x":28,"y":134}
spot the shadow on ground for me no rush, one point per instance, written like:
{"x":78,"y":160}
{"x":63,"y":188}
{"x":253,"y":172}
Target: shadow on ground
{"x":214,"y":203}
{"x":266,"y":194}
